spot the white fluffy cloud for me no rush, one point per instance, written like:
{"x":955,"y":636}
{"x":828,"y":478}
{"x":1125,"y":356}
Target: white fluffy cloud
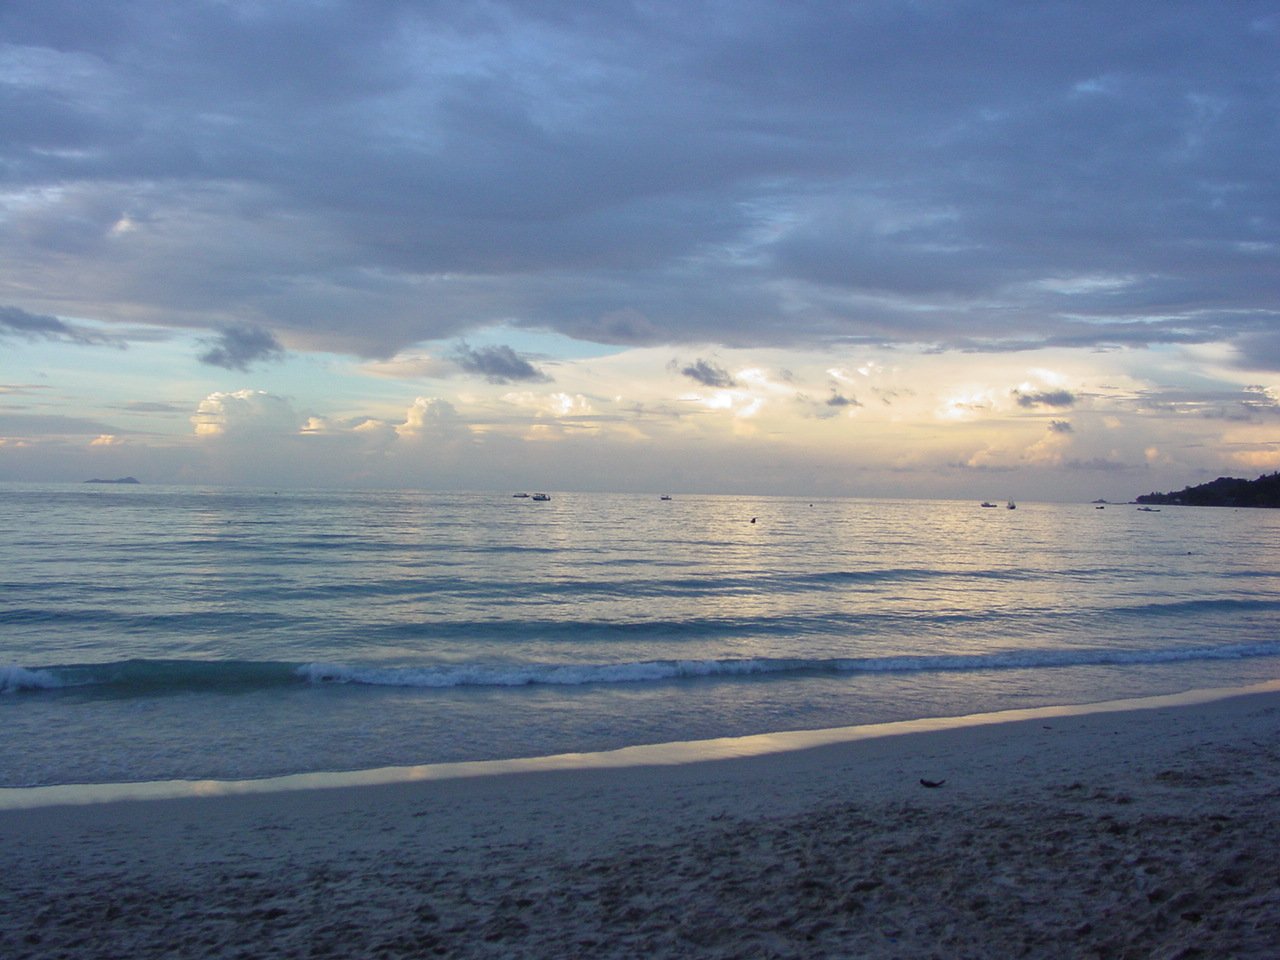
{"x":245,"y":413}
{"x":428,"y":415}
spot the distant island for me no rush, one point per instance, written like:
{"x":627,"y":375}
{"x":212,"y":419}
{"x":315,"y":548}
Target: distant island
{"x":1224,"y":492}
{"x":121,"y":480}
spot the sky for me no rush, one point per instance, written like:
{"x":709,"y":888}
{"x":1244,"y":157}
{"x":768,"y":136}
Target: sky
{"x":931,"y":249}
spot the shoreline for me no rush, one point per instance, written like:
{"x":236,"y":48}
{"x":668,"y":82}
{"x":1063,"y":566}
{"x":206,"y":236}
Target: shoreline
{"x":1110,"y":833}
{"x":641,"y":755}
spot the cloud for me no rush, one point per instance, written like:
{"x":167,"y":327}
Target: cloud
{"x":153,"y":406}
{"x":1060,"y":426}
{"x":369,"y":177}
{"x":708,"y":374}
{"x":1258,"y":351}
{"x":557,"y":405}
{"x":498,"y":364}
{"x":245,"y":413}
{"x":429,"y":416}
{"x":34,"y":326}
{"x":833,"y":406}
{"x":1045,"y":398}
{"x":50,"y":424}
{"x":413,"y":367}
{"x":241,"y":345}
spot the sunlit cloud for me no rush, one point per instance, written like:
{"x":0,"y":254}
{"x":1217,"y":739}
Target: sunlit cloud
{"x":1261,"y":460}
{"x":429,"y":416}
{"x":245,"y":413}
{"x":1051,"y":449}
{"x":967,"y":404}
{"x":411,"y":367}
{"x":552,"y":405}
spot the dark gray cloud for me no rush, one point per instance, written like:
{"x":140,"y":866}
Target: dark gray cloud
{"x":34,"y":326}
{"x":833,"y":406}
{"x":1259,"y":351}
{"x":240,"y":346}
{"x":1061,"y":426}
{"x":1046,"y":398}
{"x":150,"y":406}
{"x":498,"y":364}
{"x":708,"y":374}
{"x":972,"y":175}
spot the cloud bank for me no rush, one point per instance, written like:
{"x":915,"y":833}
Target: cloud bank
{"x":362,"y":177}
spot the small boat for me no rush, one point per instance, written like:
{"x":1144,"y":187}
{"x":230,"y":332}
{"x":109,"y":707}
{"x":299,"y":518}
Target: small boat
{"x":985,"y":503}
{"x":1148,"y":510}
{"x":664,"y":497}
{"x":540,"y":496}
{"x":520,"y":495}
{"x":1012,"y":505}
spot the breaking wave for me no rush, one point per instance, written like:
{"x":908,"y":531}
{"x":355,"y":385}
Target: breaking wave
{"x":144,"y":678}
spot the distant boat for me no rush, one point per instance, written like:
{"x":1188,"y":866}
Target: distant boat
{"x":519,"y":495}
{"x":540,"y":496}
{"x":985,"y":503}
{"x":1012,"y":505}
{"x":664,"y":497}
{"x":1148,"y":510}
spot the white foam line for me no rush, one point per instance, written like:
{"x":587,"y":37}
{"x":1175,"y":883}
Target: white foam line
{"x":657,"y":754}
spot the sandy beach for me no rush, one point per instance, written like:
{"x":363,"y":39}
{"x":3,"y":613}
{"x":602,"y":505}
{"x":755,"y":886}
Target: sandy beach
{"x":1142,"y":833}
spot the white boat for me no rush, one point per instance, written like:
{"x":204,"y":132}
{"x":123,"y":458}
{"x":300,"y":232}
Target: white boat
{"x":540,"y":496}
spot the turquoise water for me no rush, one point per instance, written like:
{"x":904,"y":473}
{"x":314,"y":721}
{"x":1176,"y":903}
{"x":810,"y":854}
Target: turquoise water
{"x":165,"y":632}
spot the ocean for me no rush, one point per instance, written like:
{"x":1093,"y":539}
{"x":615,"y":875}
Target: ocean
{"x":156,"y":633}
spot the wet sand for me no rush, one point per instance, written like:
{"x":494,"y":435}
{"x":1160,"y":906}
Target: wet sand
{"x":1145,"y":833}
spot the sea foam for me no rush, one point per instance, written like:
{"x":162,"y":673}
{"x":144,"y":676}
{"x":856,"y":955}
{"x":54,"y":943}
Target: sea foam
{"x":14,"y":679}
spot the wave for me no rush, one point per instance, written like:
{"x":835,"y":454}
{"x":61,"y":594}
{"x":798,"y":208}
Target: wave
{"x":578,"y":587}
{"x":127,"y":678}
{"x":140,"y":678}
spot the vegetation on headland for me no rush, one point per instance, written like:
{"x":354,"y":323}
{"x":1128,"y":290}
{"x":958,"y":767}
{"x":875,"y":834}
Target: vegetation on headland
{"x":1224,"y":492}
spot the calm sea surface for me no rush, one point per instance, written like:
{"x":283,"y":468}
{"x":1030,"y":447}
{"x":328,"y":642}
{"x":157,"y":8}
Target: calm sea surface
{"x":168,"y":632}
